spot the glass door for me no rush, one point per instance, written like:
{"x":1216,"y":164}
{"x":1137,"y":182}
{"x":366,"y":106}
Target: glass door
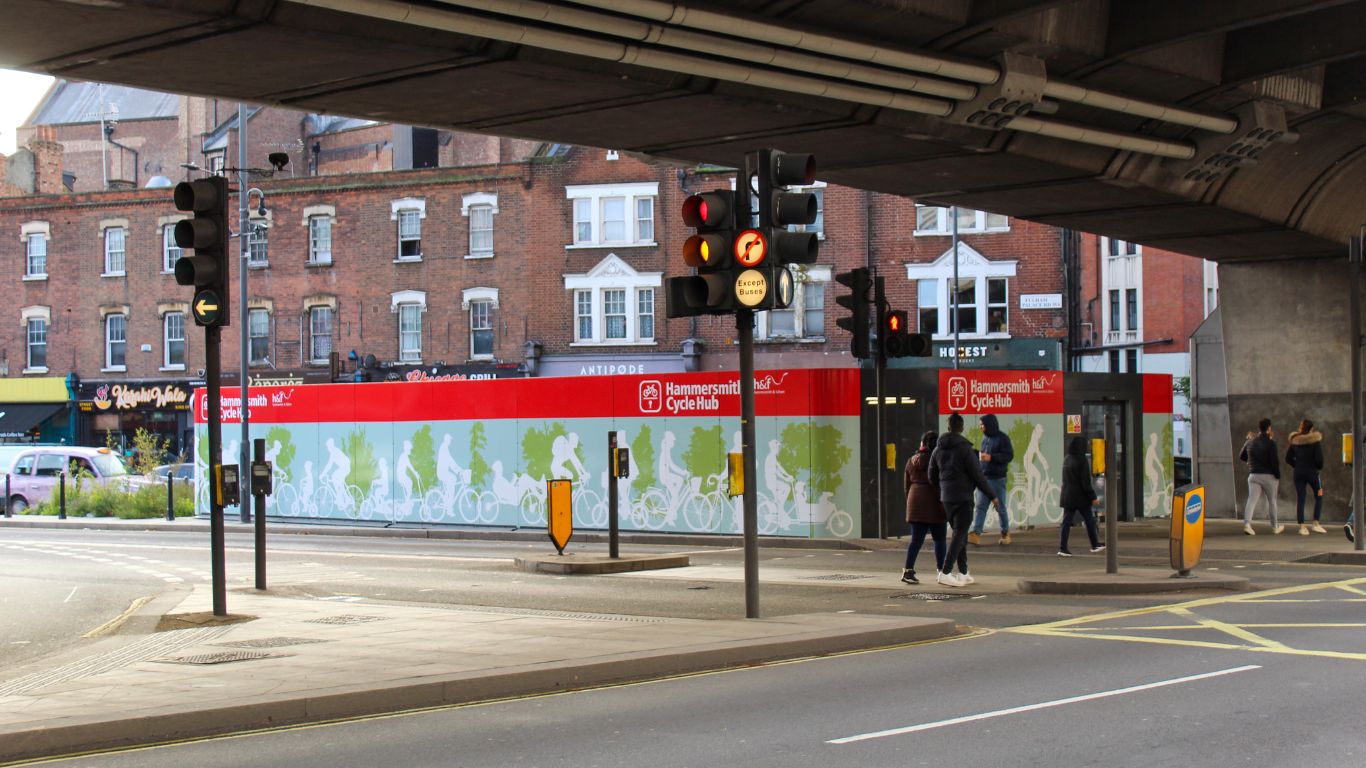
{"x":1093,"y":426}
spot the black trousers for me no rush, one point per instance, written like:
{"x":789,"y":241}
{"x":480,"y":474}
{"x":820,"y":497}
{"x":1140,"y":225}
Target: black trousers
{"x":960,"y":519}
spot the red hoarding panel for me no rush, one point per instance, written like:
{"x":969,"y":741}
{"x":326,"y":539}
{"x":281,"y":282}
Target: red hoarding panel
{"x":973,"y":392}
{"x":1157,"y":393}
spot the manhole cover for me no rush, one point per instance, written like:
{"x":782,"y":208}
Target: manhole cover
{"x":222,"y":657}
{"x":837,"y":577}
{"x":270,"y":642}
{"x":346,"y":618}
{"x":936,"y":596}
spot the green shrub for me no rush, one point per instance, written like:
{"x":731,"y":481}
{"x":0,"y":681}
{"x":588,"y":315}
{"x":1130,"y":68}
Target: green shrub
{"x":107,"y":501}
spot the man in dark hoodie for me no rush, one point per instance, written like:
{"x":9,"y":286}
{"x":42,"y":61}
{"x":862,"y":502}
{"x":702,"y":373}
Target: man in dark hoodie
{"x":996,"y":454}
{"x":957,"y":471}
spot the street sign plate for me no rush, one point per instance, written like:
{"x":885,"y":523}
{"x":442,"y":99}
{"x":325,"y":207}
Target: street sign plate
{"x":207,"y":307}
{"x":751,"y":288}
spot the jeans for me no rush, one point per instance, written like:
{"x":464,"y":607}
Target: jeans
{"x":998,"y":485}
{"x":960,"y":516}
{"x":1259,"y":485}
{"x":937,"y":532}
{"x":1087,"y":517}
{"x":1312,"y":482}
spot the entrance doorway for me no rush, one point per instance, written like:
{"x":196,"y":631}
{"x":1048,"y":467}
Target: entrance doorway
{"x":1093,"y":415}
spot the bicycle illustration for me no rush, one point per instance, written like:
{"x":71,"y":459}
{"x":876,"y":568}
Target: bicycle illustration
{"x":1038,"y":495}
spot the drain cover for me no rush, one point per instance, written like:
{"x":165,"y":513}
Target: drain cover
{"x":222,"y":657}
{"x":270,"y":642}
{"x":837,"y":577}
{"x":346,"y":618}
{"x":935,"y":596}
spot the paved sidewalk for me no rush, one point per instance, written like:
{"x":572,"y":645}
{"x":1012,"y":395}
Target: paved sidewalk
{"x":307,"y":660}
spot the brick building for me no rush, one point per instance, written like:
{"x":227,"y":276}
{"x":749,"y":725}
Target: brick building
{"x":429,"y":253}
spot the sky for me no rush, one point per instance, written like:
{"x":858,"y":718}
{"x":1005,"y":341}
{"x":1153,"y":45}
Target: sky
{"x":19,"y":94}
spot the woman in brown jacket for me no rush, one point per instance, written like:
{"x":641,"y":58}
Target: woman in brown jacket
{"x":924,"y":510}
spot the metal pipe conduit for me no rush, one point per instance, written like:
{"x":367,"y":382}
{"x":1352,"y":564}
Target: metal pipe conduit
{"x":731,"y":48}
{"x":983,"y":74}
{"x":578,"y":44}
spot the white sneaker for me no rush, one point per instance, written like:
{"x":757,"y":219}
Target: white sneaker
{"x":1098,"y":548}
{"x":967,"y":579}
{"x":1277,"y":529}
{"x":1247,"y":528}
{"x":1318,"y":529}
{"x":949,"y":580}
{"x":1304,"y":530}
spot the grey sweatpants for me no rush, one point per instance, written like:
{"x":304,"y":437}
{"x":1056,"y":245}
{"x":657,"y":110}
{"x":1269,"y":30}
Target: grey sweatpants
{"x":1259,"y":485}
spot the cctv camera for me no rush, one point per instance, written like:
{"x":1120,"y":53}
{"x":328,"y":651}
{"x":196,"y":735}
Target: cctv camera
{"x":279,"y":160}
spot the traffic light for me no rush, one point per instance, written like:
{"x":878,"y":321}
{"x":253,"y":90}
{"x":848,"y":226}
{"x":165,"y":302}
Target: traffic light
{"x":712,"y":290}
{"x":856,"y":323}
{"x":898,"y":341}
{"x":207,"y":235}
{"x":780,"y":208}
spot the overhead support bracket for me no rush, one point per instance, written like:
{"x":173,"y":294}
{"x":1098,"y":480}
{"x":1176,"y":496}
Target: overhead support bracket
{"x":1260,"y":124}
{"x":1016,"y":93}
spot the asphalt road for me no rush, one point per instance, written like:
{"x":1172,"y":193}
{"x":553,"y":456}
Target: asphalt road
{"x":62,"y":584}
{"x":1222,"y":681}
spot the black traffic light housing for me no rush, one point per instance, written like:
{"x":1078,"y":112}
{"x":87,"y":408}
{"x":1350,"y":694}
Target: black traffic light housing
{"x":780,"y":208}
{"x":857,"y":301}
{"x":896,"y":340}
{"x":709,"y":251}
{"x":207,"y":235}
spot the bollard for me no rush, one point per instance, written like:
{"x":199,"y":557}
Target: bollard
{"x":8,"y":513}
{"x":61,"y":504}
{"x":170,"y":495}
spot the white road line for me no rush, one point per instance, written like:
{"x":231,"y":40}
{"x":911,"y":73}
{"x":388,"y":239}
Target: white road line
{"x":69,"y":596}
{"x":1041,"y":705}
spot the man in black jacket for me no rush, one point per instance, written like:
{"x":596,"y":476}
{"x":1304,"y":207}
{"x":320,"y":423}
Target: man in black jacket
{"x":996,"y":455}
{"x":1264,"y":474}
{"x":955,"y":468}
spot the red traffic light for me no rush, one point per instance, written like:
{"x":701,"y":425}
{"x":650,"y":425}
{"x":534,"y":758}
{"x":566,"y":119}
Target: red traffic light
{"x":896,"y":321}
{"x":708,"y":210}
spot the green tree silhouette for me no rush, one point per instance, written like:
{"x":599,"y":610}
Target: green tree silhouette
{"x":286,"y":455}
{"x":644,"y":449}
{"x":815,"y":454}
{"x":536,"y":449}
{"x":479,"y":468}
{"x":424,"y":458}
{"x":706,"y":454}
{"x":364,"y":465}
{"x":1020,"y":433}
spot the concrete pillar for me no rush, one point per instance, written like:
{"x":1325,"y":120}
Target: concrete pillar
{"x":1287,"y":358}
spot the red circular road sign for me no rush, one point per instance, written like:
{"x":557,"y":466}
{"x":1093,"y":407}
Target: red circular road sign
{"x":750,"y":247}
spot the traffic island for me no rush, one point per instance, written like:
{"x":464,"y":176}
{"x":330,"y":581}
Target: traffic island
{"x":599,"y":564}
{"x":1131,"y":581}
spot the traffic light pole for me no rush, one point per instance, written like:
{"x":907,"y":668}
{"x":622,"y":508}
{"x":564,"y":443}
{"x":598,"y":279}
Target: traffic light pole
{"x":244,"y":224}
{"x":880,"y":369}
{"x":744,"y":323}
{"x":212,"y":372}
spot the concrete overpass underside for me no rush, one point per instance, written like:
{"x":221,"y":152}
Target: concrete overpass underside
{"x":1228,"y":130}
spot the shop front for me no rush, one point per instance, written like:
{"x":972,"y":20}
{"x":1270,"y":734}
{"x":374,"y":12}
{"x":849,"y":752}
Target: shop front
{"x":112,"y":412}
{"x":36,"y":410}
{"x":597,"y":364}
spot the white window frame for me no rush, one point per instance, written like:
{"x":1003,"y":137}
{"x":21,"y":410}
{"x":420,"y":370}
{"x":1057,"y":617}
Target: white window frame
{"x":1122,"y":271}
{"x":166,"y":340}
{"x":944,"y":225}
{"x":1115,"y":248}
{"x":254,"y":312}
{"x":109,"y":342}
{"x":32,"y":232}
{"x":483,"y":296}
{"x":971,"y":265}
{"x":399,"y":208}
{"x":802,"y":275}
{"x":478,"y":204}
{"x":114,"y":233}
{"x":315,"y":216}
{"x":408,"y":302}
{"x":612,"y":273}
{"x":586,"y":206}
{"x":313,"y":334}
{"x":170,"y":251}
{"x":28,"y":316}
{"x":258,"y":246}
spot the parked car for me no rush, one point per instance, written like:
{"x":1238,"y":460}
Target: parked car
{"x":181,"y":472}
{"x":10,"y":451}
{"x":34,"y":474}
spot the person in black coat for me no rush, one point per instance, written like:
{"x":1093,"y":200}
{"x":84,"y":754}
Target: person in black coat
{"x":1077,"y":497}
{"x":1305,"y":455}
{"x":955,"y":468}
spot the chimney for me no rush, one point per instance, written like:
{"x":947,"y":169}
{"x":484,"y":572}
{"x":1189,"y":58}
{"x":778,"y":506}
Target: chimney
{"x":47,"y":161}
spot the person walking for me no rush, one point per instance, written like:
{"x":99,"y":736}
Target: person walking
{"x":1264,"y":475}
{"x":1305,"y":455}
{"x":924,"y":510}
{"x":955,"y":468}
{"x":996,"y":455}
{"x":1077,"y":497}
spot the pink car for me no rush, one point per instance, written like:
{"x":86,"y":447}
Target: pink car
{"x":34,"y":474}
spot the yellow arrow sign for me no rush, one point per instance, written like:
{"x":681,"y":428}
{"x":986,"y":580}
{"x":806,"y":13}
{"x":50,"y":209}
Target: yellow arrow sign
{"x":203,"y":307}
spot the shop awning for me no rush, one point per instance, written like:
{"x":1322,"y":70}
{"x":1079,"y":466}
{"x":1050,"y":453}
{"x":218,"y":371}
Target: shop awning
{"x":46,"y":389}
{"x":18,"y":419}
